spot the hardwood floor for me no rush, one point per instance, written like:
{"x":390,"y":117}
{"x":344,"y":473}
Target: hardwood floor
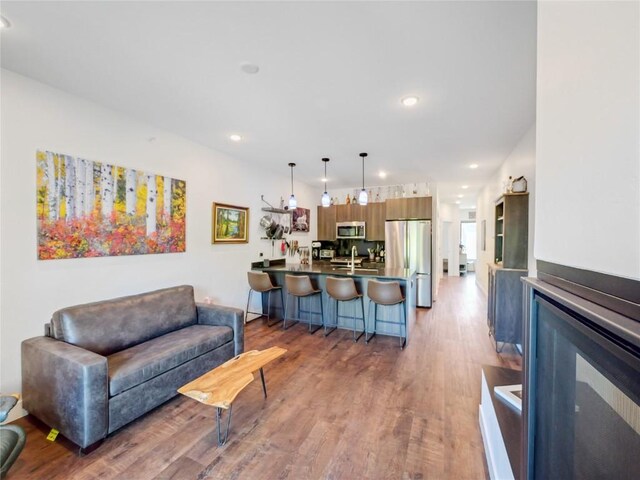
{"x":336,"y":410}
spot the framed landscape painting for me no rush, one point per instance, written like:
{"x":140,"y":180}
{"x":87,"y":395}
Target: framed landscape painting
{"x":230,"y":224}
{"x":87,"y":208}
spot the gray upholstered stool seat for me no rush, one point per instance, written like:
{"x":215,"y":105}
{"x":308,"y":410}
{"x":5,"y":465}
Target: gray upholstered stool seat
{"x":299,"y":286}
{"x":344,"y":290}
{"x":261,"y":282}
{"x":387,"y":294}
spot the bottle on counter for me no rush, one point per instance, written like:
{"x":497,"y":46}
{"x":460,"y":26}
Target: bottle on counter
{"x":348,"y":200}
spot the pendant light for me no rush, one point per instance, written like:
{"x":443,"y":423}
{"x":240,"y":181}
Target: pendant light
{"x":293,"y":203}
{"x":326,"y":199}
{"x":363,"y":197}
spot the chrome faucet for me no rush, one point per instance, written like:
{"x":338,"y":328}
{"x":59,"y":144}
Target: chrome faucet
{"x":354,"y":250}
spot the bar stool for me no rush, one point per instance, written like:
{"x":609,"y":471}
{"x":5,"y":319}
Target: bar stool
{"x":344,"y":290}
{"x":387,"y":294}
{"x":261,"y":282}
{"x":299,"y":286}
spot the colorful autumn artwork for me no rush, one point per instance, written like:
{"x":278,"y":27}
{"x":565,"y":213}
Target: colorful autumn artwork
{"x":93,"y":209}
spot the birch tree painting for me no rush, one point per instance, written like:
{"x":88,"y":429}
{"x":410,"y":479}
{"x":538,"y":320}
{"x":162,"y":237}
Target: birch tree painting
{"x":93,"y":209}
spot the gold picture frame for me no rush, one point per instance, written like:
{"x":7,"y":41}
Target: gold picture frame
{"x":229,"y":224}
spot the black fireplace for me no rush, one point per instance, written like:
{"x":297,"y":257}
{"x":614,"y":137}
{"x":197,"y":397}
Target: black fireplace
{"x":581,"y":376}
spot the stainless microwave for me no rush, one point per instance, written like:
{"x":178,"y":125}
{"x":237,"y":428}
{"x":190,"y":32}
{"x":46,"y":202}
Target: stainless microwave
{"x":354,"y":230}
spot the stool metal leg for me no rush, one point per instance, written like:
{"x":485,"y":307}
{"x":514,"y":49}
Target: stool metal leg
{"x":246,"y":312}
{"x":311,"y":317}
{"x":403,"y":340}
{"x":269,"y":323}
{"x":355,"y":339}
{"x":335,"y":326}
{"x":364,"y":325}
{"x":281,"y":305}
{"x":367,"y":339}
{"x":284,"y":322}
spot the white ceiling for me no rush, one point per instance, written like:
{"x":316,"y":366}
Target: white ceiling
{"x":331,"y":77}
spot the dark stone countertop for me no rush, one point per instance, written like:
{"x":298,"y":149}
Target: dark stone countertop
{"x":368,"y":269}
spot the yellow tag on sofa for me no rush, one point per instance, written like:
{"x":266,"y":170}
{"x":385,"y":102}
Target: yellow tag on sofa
{"x":52,"y":435}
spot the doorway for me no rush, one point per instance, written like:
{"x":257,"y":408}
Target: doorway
{"x":468,"y":253}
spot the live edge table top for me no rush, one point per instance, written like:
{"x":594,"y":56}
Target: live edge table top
{"x":221,"y":386}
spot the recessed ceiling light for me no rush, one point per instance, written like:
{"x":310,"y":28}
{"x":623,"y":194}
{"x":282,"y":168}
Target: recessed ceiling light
{"x":472,"y":206}
{"x":460,"y":196}
{"x":473,"y":166}
{"x":382,"y":174}
{"x":464,"y":187}
{"x":4,"y":23}
{"x":457,"y":202}
{"x":409,"y":101}
{"x":249,"y":68}
{"x":235,"y":137}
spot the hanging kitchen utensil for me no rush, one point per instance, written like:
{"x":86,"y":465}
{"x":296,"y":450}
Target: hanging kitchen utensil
{"x":278,"y":232}
{"x":265,"y":221}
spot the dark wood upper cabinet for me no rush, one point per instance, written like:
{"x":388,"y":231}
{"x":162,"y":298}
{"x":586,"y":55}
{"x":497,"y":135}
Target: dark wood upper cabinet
{"x":350,"y":213}
{"x":512,"y":230}
{"x":327,"y":223}
{"x":409,"y":208}
{"x":375,"y":218}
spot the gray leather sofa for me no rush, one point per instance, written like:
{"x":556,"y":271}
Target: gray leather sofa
{"x":104,"y":364}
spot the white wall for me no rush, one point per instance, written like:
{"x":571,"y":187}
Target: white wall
{"x":588,"y":136}
{"x":521,"y":161}
{"x":35,"y":116}
{"x":436,"y":236}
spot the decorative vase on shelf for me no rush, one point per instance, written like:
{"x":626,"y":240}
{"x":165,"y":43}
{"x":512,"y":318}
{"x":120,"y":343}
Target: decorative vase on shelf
{"x":509,"y":186}
{"x":348,"y":200}
{"x":519,"y":185}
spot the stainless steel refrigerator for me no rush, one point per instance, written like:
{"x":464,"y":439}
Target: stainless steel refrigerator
{"x":408,"y":245}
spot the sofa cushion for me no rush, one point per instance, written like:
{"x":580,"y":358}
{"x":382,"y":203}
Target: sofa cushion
{"x":112,"y":325}
{"x":133,"y":366}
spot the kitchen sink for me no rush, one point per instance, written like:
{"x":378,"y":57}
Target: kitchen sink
{"x":357,"y":269}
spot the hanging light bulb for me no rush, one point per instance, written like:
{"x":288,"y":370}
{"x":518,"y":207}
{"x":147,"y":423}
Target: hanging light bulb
{"x":326,"y":199}
{"x":363,"y":197}
{"x":293,"y":203}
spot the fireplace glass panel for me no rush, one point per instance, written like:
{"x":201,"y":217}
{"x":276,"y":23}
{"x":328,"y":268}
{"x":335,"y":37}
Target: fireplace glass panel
{"x":587,"y":420}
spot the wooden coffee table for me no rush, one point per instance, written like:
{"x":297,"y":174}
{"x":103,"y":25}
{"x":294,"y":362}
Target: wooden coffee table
{"x":221,"y":386}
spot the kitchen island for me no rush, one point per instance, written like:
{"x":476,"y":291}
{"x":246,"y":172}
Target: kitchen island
{"x":318,"y":272}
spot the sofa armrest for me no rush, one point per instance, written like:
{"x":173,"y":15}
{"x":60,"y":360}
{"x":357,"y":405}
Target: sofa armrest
{"x":225,"y":316}
{"x":67,"y":388}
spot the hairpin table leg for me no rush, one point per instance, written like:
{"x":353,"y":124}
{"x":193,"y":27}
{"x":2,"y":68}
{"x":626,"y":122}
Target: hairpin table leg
{"x":222,"y":439}
{"x":264,"y":385}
